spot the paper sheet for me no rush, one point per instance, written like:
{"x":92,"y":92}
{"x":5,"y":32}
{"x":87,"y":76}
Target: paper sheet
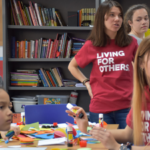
{"x":53,"y":141}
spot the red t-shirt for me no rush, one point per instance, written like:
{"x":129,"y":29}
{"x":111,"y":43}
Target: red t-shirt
{"x":111,"y":76}
{"x":145,"y":113}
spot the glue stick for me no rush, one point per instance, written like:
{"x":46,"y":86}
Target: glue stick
{"x":101,"y":120}
{"x":23,"y":117}
{"x":69,"y":136}
{"x":70,"y":107}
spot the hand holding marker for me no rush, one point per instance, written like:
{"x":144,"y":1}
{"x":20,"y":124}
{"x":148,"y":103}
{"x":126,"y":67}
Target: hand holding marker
{"x":9,"y":135}
{"x":70,"y":107}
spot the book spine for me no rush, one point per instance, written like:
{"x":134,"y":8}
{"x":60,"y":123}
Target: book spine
{"x":53,"y":79}
{"x":32,"y":49}
{"x":48,"y":48}
{"x":52,"y":82}
{"x":46,"y":16}
{"x":14,"y":13}
{"x":51,"y":17}
{"x":54,"y":16}
{"x":29,"y":17}
{"x":43,"y":15}
{"x":31,"y":13}
{"x":17,"y":12}
{"x":21,"y":12}
{"x":46,"y":85}
{"x":58,"y":18}
{"x":36,"y":49}
{"x":48,"y":80}
{"x":26,"y":49}
{"x":45,"y":77}
{"x":52,"y":73}
{"x":38,"y":13}
{"x":29,"y":45}
{"x":41,"y":79}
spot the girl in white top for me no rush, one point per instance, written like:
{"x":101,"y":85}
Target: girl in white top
{"x":136,"y":21}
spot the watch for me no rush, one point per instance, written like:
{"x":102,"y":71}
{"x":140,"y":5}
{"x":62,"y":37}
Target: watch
{"x":84,"y":81}
{"x":123,"y":147}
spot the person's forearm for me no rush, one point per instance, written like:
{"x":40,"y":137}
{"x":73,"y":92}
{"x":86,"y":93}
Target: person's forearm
{"x":76,"y":73}
{"x":120,"y":136}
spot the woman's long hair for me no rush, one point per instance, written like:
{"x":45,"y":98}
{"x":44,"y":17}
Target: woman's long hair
{"x":98,"y":35}
{"x":140,"y":81}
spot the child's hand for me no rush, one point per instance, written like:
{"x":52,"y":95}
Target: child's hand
{"x":81,"y":122}
{"x":14,"y":128}
{"x":105,"y":137}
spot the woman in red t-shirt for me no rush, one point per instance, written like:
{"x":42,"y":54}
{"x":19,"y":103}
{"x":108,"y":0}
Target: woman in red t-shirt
{"x":137,"y":130}
{"x":111,"y":52}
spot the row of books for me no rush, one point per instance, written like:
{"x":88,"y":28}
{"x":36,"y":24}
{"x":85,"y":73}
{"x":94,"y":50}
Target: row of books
{"x":75,"y":48}
{"x":34,"y":15}
{"x":87,"y":14}
{"x":24,"y":79}
{"x":50,"y":78}
{"x":53,"y":78}
{"x":61,"y":47}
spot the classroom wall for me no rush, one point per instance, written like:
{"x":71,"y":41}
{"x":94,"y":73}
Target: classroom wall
{"x":1,"y":40}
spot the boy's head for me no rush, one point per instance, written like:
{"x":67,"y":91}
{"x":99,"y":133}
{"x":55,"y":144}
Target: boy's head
{"x":5,"y":112}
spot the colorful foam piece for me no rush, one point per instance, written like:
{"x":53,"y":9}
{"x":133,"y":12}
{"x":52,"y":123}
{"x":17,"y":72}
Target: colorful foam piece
{"x":43,"y":136}
{"x":58,"y":134}
{"x":62,"y":130}
{"x":28,"y":132}
{"x":26,"y":141}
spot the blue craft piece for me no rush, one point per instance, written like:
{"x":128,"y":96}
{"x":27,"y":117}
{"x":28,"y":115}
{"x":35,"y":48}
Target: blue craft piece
{"x":47,"y":114}
{"x":43,"y":136}
{"x":11,"y":133}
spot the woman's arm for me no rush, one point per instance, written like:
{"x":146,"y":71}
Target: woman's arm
{"x":123,"y":135}
{"x":75,"y":71}
{"x":73,"y":68}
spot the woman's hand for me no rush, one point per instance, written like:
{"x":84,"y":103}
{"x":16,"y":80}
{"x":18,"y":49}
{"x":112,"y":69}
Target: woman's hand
{"x":88,"y":86}
{"x":16,"y":129}
{"x":105,"y":137}
{"x":81,"y":122}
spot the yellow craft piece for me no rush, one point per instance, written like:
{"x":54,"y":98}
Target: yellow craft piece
{"x":44,"y":129}
{"x":147,"y":33}
{"x":21,"y":126}
{"x":62,"y":130}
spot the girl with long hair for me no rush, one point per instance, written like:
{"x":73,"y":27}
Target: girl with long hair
{"x":136,"y":21}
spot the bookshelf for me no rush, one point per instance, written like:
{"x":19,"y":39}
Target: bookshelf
{"x":36,"y":32}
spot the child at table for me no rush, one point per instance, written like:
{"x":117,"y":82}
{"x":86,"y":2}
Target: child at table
{"x":137,"y":130}
{"x":6,"y":115}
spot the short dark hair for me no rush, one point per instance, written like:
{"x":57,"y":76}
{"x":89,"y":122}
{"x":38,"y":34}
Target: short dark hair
{"x":98,"y":35}
{"x":129,"y":15}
